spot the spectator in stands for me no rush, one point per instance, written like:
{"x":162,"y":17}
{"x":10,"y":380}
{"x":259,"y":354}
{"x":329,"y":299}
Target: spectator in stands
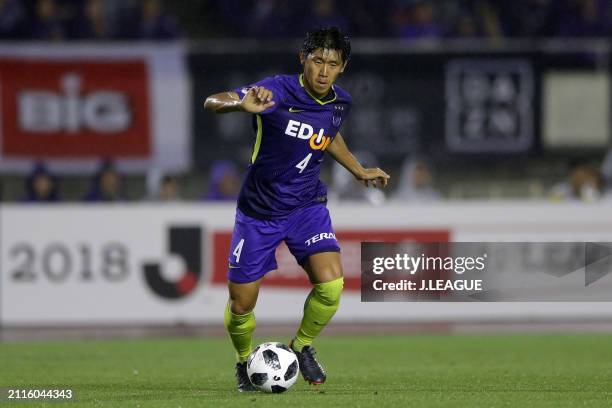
{"x":580,"y":18}
{"x":477,"y":20}
{"x":465,"y":27}
{"x":40,"y":186}
{"x":166,"y":189}
{"x":344,"y":187}
{"x":489,"y":19}
{"x":106,"y":184}
{"x":46,"y":23}
{"x":323,"y":13}
{"x":606,"y":173}
{"x":151,"y":22}
{"x":365,"y":17}
{"x":169,"y":189}
{"x":93,"y":22}
{"x":156,"y":24}
{"x":416,"y":183}
{"x":584,"y":183}
{"x":163,"y":188}
{"x":224,"y":182}
{"x":12,"y":19}
{"x":272,"y":18}
{"x":528,"y":18}
{"x":417,"y":21}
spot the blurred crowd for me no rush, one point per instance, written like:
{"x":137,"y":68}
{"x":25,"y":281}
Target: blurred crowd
{"x":224,"y":182}
{"x":60,"y":20}
{"x":107,"y":185}
{"x":585,"y":181}
{"x":414,"y":19}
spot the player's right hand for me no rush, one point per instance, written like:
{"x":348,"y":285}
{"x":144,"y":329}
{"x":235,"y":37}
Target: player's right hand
{"x":257,"y":100}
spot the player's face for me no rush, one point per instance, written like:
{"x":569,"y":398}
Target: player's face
{"x":321,"y":68}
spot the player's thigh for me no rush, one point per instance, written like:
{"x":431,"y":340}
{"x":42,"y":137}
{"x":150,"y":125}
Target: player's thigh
{"x":312,"y":241}
{"x":243,"y":296}
{"x":323,"y":267}
{"x":252,"y":249}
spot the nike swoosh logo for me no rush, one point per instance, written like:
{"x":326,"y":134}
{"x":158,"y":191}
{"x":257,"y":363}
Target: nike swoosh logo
{"x":293,"y":110}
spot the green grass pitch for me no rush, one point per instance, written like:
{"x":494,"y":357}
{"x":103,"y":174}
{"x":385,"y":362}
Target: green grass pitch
{"x":550,"y":370}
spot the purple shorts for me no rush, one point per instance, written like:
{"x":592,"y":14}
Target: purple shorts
{"x":307,"y":231}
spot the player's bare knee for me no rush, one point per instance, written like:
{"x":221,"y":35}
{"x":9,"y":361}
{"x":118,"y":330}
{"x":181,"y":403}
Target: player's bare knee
{"x":241,"y":307}
{"x":336,"y":271}
{"x":330,"y":272}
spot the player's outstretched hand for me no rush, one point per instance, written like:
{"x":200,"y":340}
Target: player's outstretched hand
{"x":257,"y":100}
{"x":375,"y":177}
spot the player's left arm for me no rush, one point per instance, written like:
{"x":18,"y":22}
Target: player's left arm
{"x":340,"y":152}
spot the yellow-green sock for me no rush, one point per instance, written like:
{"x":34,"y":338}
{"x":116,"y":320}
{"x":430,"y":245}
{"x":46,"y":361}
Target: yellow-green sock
{"x":320,"y":306}
{"x":240,"y":329}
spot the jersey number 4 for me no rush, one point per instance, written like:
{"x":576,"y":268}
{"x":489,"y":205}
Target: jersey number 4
{"x":302,"y":165}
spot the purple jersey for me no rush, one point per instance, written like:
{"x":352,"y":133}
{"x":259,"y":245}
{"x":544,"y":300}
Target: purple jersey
{"x":291,"y":137}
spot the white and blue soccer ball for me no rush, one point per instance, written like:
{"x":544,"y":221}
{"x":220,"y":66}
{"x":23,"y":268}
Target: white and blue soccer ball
{"x":273,"y":367}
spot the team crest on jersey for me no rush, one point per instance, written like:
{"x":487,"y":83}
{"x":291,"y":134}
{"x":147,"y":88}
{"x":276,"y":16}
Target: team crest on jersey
{"x":336,"y":119}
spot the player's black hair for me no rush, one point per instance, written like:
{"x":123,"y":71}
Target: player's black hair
{"x":331,"y":38}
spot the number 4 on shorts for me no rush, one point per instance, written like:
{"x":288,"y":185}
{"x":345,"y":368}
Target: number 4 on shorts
{"x":238,"y":250}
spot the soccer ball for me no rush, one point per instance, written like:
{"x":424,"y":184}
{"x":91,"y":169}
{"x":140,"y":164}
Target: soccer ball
{"x":272,"y":367}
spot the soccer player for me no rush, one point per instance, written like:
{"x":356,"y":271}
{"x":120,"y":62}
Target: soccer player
{"x":296,"y":119}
